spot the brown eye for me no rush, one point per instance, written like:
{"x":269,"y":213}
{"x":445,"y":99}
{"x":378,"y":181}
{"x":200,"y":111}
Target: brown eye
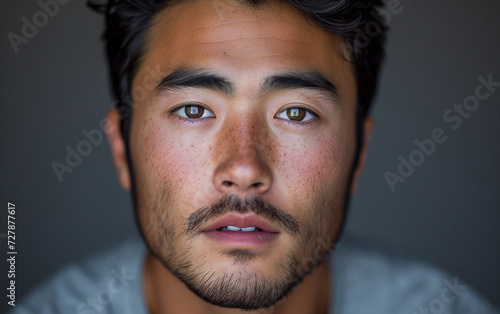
{"x":194,"y":112}
{"x":296,"y":114}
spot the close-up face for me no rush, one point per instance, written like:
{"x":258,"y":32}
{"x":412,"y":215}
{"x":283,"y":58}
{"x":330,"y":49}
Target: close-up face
{"x":242,"y":148}
{"x":238,"y":131}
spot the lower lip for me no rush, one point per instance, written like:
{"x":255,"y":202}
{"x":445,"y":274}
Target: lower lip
{"x":240,"y":238}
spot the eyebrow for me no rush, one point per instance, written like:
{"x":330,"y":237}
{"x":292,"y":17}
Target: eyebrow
{"x":200,"y":78}
{"x":307,"y":80}
{"x":188,"y":77}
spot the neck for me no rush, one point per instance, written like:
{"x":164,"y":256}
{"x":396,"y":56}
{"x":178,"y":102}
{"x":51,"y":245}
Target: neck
{"x":165,"y":293}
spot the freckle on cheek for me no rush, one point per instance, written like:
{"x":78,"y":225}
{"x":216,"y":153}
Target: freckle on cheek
{"x":271,"y":148}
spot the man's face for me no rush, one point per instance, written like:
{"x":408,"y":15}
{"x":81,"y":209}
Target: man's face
{"x":244,"y":132}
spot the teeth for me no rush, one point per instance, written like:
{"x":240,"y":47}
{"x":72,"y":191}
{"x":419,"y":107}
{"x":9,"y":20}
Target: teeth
{"x":233,"y":228}
{"x":248,"y":229}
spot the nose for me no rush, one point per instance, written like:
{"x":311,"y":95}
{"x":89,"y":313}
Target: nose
{"x":243,"y":167}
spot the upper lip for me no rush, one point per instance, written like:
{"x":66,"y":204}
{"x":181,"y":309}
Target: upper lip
{"x":241,"y":221}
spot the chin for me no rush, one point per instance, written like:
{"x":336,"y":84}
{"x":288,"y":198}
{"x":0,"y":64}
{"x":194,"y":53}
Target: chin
{"x":242,"y":289}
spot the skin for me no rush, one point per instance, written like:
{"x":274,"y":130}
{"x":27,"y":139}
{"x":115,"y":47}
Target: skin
{"x":246,"y":145}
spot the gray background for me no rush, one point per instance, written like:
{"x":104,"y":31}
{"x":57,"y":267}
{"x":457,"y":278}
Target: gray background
{"x":447,"y":212}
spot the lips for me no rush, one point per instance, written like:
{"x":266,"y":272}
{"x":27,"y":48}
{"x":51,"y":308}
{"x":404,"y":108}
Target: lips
{"x":241,"y":223}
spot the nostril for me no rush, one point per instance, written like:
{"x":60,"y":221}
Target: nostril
{"x":227,"y":183}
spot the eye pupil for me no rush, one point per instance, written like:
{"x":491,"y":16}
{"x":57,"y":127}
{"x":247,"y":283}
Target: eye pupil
{"x":194,"y":111}
{"x":296,"y":114}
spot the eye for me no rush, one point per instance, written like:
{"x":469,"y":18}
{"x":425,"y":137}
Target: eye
{"x":296,"y":114}
{"x":194,"y":112}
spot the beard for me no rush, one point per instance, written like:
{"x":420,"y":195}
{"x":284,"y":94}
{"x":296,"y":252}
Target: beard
{"x":239,"y":287}
{"x":243,"y":289}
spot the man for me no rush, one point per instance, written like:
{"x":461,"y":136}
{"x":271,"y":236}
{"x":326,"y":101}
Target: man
{"x":241,"y":130}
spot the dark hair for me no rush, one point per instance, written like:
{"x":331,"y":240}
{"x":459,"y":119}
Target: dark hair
{"x":356,"y":21}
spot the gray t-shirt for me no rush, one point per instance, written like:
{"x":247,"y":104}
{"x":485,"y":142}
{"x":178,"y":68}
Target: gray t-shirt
{"x":364,"y":281}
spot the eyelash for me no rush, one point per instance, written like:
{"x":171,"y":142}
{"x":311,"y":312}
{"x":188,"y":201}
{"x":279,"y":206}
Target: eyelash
{"x":299,"y":124}
{"x":197,"y":120}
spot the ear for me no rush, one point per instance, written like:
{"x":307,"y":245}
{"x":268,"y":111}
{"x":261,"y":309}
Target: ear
{"x":118,"y":151}
{"x":367,"y":130}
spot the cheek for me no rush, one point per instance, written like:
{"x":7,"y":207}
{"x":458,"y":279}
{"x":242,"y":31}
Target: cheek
{"x":169,"y":162}
{"x":314,"y":178}
{"x":312,"y":165}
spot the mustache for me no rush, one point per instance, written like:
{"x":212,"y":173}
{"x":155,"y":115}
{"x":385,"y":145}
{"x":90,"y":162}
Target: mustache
{"x":233,"y":203}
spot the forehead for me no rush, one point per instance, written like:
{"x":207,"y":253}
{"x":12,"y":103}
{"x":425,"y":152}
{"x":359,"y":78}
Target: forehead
{"x":243,"y":41}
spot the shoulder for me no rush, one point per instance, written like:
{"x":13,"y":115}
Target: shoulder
{"x":367,"y":280}
{"x":109,"y":282}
